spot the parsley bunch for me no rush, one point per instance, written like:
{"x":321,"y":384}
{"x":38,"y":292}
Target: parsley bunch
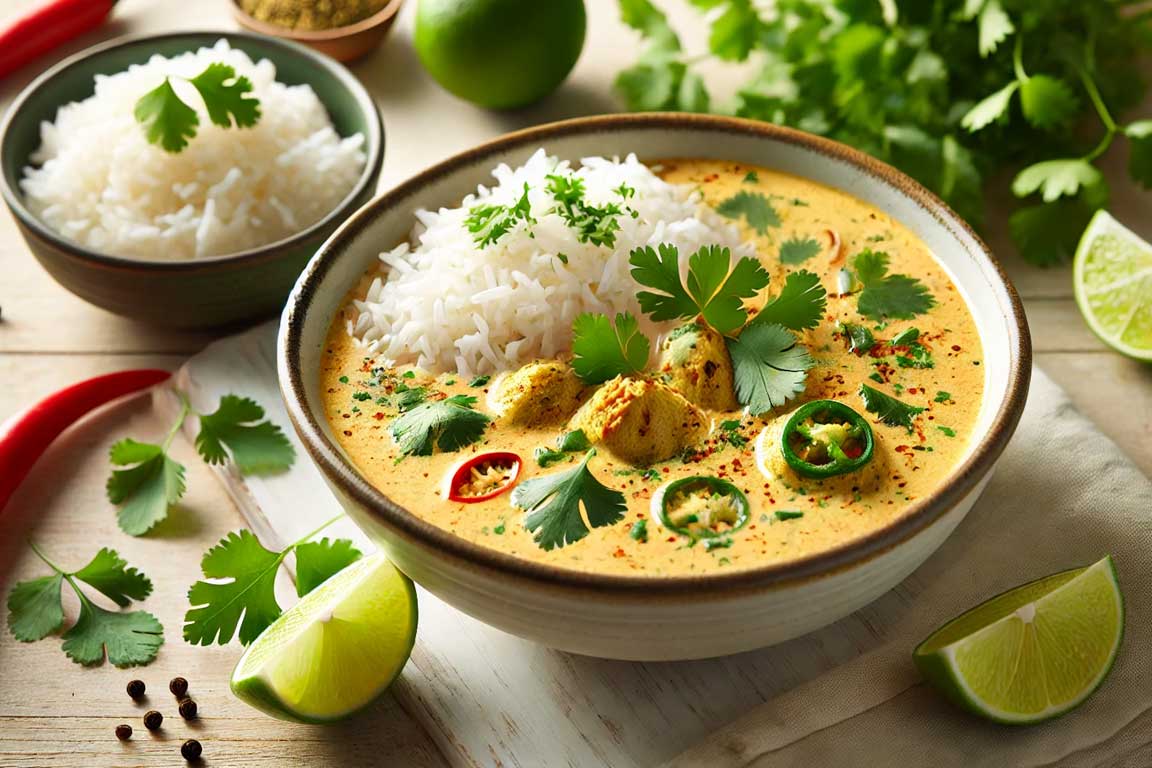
{"x":35,"y":610}
{"x":950,"y":91}
{"x":169,"y":122}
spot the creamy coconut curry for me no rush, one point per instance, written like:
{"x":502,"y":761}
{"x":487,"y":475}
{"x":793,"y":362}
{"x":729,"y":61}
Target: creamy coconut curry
{"x":789,"y":403}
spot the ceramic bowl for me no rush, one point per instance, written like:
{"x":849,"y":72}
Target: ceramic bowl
{"x":346,"y":43}
{"x":675,"y":617}
{"x":210,"y":292}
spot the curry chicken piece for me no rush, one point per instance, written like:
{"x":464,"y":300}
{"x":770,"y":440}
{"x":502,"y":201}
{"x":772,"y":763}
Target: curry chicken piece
{"x":694,"y":361}
{"x":540,"y":393}
{"x":640,"y":421}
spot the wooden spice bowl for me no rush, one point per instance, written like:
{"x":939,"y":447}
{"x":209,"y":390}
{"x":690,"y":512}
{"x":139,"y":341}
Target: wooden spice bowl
{"x":342,"y":43}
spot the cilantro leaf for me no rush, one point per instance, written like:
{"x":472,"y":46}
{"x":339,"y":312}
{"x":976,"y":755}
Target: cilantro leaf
{"x":714,"y":289}
{"x":488,"y":222}
{"x":799,"y":305}
{"x":236,"y":426}
{"x":756,"y":209}
{"x":553,"y":504}
{"x":591,"y":223}
{"x":769,"y":366}
{"x":602,"y":351}
{"x":225,"y":96}
{"x":797,"y":251}
{"x":130,"y":639}
{"x":317,"y":561}
{"x":889,"y":410}
{"x":448,"y":425}
{"x":114,"y":578}
{"x":1046,"y":101}
{"x":167,"y":121}
{"x":146,"y":489}
{"x":651,"y":86}
{"x":990,"y":108}
{"x":888,"y":295}
{"x":860,"y":339}
{"x":35,"y":609}
{"x":1057,"y":178}
{"x":995,"y":27}
{"x":734,"y":31}
{"x":1047,"y":234}
{"x":249,"y":594}
{"x":1139,"y":136}
{"x":644,"y":17}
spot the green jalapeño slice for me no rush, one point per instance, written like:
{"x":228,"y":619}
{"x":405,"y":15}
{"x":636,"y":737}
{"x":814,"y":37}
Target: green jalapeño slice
{"x":701,"y":507}
{"x":825,"y":438}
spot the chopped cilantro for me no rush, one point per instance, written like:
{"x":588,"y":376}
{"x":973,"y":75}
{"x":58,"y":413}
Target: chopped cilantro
{"x":730,"y":433}
{"x":639,"y":531}
{"x":942,"y":397}
{"x":723,"y":542}
{"x":797,"y":251}
{"x":751,"y":177}
{"x":343,"y":379}
{"x":769,"y":366}
{"x":554,"y":505}
{"x":788,"y":514}
{"x":447,"y":424}
{"x":602,"y":350}
{"x":408,"y":375}
{"x":876,"y":377}
{"x":756,"y":209}
{"x":488,"y":222}
{"x":361,"y":396}
{"x":575,"y":440}
{"x":499,"y":528}
{"x":905,"y":337}
{"x":860,"y":339}
{"x":888,"y":295}
{"x":592,"y":224}
{"x":948,"y":431}
{"x":480,"y":381}
{"x":890,"y":410}
{"x":918,"y":357}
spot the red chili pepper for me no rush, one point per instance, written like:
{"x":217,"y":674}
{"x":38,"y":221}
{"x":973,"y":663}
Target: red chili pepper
{"x":25,"y":436}
{"x":463,"y":475}
{"x":46,"y":26}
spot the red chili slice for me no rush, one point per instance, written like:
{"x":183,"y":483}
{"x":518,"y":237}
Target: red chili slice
{"x":462,"y":476}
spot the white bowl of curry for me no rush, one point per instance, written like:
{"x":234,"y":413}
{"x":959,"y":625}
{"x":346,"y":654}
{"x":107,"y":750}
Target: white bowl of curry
{"x":715,"y":507}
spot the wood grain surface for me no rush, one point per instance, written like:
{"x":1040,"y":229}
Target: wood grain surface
{"x":54,"y":713}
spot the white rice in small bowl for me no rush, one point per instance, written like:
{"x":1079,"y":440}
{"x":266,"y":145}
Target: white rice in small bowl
{"x":97,"y":181}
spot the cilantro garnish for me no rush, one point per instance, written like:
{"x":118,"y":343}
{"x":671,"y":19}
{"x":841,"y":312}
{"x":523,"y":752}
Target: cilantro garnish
{"x":488,"y":222}
{"x":151,"y":484}
{"x":799,"y":305}
{"x":730,"y":433}
{"x":890,"y":410}
{"x":788,"y":514}
{"x":237,"y":428}
{"x":948,"y":431}
{"x":918,"y":356}
{"x":905,"y":337}
{"x":592,"y":224}
{"x":860,"y":339}
{"x":888,"y":295}
{"x":242,"y":591}
{"x":602,"y":351}
{"x":942,"y":397}
{"x":448,"y":425}
{"x":567,"y":443}
{"x":170,"y":123}
{"x":715,"y":289}
{"x":480,"y":381}
{"x":639,"y":531}
{"x":756,"y":209}
{"x":554,"y":503}
{"x":797,"y":251}
{"x":751,"y":177}
{"x":769,"y":366}
{"x":35,"y":610}
{"x":410,"y":397}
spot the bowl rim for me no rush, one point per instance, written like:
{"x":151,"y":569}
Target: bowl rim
{"x":374,"y":150}
{"x":342,"y":473}
{"x":389,"y":10}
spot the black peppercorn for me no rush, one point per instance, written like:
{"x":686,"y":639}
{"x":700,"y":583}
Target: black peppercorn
{"x":191,"y":750}
{"x":178,"y":686}
{"x":123,"y":732}
{"x":153,"y":720}
{"x":136,"y":689}
{"x":188,"y":709}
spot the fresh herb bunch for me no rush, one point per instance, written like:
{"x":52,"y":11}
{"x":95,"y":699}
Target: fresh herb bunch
{"x":949,"y":91}
{"x":169,"y":122}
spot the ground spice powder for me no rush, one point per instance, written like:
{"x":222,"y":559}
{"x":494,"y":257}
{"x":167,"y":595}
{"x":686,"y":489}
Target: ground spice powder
{"x":311,"y":15}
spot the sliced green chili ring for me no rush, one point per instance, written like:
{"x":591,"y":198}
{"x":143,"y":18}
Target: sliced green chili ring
{"x":826,"y":438}
{"x":715,"y":488}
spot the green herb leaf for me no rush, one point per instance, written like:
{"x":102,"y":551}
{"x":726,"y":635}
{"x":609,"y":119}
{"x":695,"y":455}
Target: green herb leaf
{"x":995,"y":27}
{"x":35,"y":609}
{"x":167,"y":121}
{"x":1139,"y":136}
{"x":787,"y":514}
{"x":888,"y":295}
{"x":756,"y":209}
{"x":714,"y":290}
{"x":226,"y":96}
{"x":796,"y":251}
{"x":130,"y":639}
{"x":860,"y":339}
{"x":601,"y":350}
{"x":480,"y":381}
{"x":488,"y":222}
{"x":447,"y":425}
{"x":799,"y":305}
{"x":639,"y":531}
{"x":593,"y":224}
{"x":769,"y":366}
{"x":889,"y":410}
{"x":147,"y":488}
{"x":942,"y":397}
{"x":1047,"y":234}
{"x":1057,"y":178}
{"x":408,"y":399}
{"x":114,"y":578}
{"x":257,"y":446}
{"x":734,"y":31}
{"x":990,"y":109}
{"x":948,"y":431}
{"x":553,"y":504}
{"x":246,"y":599}
{"x":318,"y":561}
{"x":1047,"y":102}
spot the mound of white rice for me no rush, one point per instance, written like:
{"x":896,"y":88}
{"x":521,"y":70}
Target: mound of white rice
{"x":96,"y":180}
{"x":446,"y":304}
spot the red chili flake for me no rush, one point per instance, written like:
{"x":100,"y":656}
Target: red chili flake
{"x":619,"y":553}
{"x":378,"y":415}
{"x":955,"y":347}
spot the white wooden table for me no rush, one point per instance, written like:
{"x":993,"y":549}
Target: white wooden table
{"x":52,"y":712}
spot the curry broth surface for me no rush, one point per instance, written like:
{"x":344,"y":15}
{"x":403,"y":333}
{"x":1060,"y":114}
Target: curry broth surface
{"x":833,"y":512}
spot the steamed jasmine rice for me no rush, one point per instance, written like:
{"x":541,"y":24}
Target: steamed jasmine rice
{"x":443,"y":302}
{"x":97,"y":181}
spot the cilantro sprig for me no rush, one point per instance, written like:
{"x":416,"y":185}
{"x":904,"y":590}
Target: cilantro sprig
{"x":170,"y":123}
{"x":769,"y":366}
{"x":603,"y":350}
{"x":146,"y":482}
{"x":488,"y":222}
{"x":127,"y":639}
{"x":799,"y":305}
{"x":447,"y":425}
{"x":553,"y":505}
{"x":889,"y":410}
{"x":885,"y":295}
{"x":242,"y":590}
{"x":595,"y":224}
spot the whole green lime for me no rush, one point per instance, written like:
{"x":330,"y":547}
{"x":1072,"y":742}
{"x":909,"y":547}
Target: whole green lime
{"x":500,"y":54}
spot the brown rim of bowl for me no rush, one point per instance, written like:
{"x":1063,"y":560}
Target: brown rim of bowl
{"x":372,"y":164}
{"x":920,"y":515}
{"x":316,"y":35}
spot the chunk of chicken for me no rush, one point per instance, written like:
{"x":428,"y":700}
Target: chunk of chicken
{"x":540,"y":393}
{"x":694,"y":361}
{"x":640,"y":421}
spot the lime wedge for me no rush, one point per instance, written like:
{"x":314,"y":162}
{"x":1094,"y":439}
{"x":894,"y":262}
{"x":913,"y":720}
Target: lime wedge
{"x":335,"y":651}
{"x":1113,"y":283}
{"x":1033,"y":653}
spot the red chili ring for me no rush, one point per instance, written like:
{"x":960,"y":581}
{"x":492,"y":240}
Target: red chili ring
{"x":462,"y":475}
